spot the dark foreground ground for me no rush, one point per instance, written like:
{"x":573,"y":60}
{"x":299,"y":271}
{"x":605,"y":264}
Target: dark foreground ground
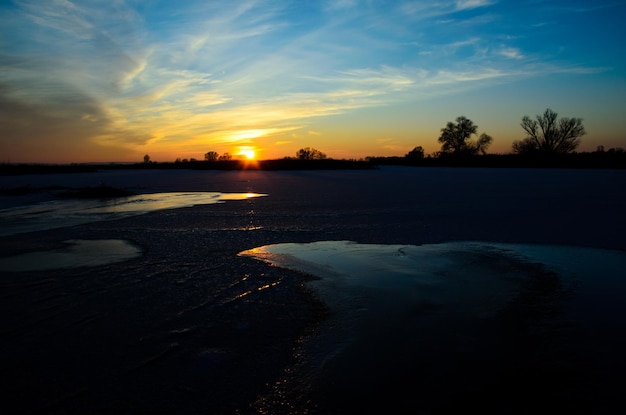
{"x":192,"y":328}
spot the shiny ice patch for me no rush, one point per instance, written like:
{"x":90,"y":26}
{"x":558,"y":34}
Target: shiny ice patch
{"x":63,"y":213}
{"x":77,"y":253}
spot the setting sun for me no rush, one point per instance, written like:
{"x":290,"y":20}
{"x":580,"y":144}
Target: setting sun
{"x":248,"y":153}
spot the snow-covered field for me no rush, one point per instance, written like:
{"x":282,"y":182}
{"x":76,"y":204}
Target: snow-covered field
{"x":491,"y":290}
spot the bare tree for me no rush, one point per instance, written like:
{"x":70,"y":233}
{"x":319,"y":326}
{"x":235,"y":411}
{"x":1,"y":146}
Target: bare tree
{"x":416,"y":154}
{"x":146,"y":158}
{"x":211,"y":156}
{"x":549,"y":135}
{"x":225,"y":156}
{"x":456,"y":138}
{"x":309,"y":153}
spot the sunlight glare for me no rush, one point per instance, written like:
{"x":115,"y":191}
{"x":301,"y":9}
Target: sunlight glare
{"x":247,"y":152}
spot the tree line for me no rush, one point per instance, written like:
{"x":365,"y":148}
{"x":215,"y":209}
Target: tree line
{"x":547,"y":137}
{"x":550,"y":141}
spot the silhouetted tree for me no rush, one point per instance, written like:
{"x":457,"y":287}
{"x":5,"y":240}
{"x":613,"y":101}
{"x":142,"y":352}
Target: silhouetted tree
{"x":547,"y":135}
{"x":416,"y":154}
{"x":309,"y":153}
{"x":225,"y":156}
{"x":211,"y":156}
{"x":146,"y":159}
{"x":456,"y":138}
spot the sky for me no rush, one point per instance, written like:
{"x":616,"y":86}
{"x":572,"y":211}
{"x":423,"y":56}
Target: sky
{"x":113,"y":80}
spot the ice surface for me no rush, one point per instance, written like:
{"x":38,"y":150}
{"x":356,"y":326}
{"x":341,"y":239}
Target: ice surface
{"x":62,"y":213}
{"x":439,"y":327}
{"x":431,"y":309}
{"x":478,"y":277}
{"x":77,"y":253}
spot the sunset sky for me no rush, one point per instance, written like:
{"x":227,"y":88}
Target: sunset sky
{"x":112,"y":80}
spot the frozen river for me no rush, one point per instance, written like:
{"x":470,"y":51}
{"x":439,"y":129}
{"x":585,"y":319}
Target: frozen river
{"x":401,"y":290}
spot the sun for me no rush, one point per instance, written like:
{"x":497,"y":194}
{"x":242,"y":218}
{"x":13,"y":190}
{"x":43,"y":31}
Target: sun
{"x":247,"y":152}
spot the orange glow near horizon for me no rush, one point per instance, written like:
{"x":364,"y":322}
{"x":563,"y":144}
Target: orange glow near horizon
{"x":247,"y":152}
{"x":248,"y":155}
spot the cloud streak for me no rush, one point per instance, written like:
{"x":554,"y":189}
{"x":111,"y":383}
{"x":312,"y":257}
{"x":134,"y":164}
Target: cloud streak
{"x":472,"y":4}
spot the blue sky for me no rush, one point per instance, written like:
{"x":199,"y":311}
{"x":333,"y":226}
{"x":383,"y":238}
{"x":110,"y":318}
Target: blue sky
{"x":114,"y":80}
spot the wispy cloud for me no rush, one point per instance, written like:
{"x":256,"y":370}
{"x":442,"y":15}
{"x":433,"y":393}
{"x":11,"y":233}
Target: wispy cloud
{"x":113,"y":75}
{"x":61,"y":15}
{"x":472,"y":4}
{"x":437,"y":9}
{"x":511,"y":53}
{"x":340,"y":4}
{"x":378,"y":80}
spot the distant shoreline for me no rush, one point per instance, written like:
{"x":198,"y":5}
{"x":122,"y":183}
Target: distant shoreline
{"x":594,"y":160}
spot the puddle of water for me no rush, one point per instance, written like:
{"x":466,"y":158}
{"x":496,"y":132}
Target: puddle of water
{"x":77,"y":253}
{"x":399,"y":270}
{"x":63,"y":213}
{"x":402,"y":310}
{"x":395,"y":276}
